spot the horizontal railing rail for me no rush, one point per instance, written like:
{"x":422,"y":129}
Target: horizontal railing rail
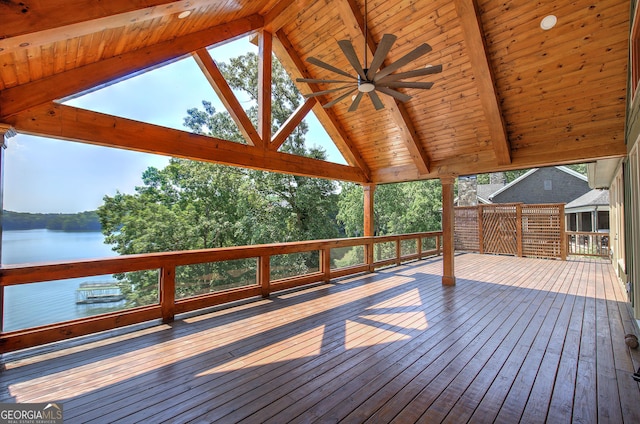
{"x":375,"y":252}
{"x":587,"y":244}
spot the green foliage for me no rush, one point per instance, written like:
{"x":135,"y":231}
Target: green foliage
{"x":83,"y":221}
{"x":398,"y":209}
{"x":192,"y":205}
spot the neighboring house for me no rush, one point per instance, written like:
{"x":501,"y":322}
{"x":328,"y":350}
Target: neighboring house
{"x":556,"y":184}
{"x":589,"y":212}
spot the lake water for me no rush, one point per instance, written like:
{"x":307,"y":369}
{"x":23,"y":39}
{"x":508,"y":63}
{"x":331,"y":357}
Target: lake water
{"x":44,"y":303}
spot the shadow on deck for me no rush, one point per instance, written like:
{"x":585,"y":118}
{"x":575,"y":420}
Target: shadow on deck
{"x":516,"y":339}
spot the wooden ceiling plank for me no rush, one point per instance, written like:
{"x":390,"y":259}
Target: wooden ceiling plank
{"x":39,"y":22}
{"x":294,"y":64}
{"x":399,"y":114}
{"x":227,"y":97}
{"x":70,"y":123}
{"x":476,"y":49}
{"x":265,"y":43}
{"x":283,"y":13}
{"x":21,"y":97}
{"x":290,"y":124}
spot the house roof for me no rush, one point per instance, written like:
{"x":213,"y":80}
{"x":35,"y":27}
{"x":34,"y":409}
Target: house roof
{"x":594,"y":199}
{"x":533,"y":171}
{"x":510,"y":96}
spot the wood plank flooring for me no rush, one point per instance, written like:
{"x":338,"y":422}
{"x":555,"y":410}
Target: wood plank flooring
{"x":516,"y":340}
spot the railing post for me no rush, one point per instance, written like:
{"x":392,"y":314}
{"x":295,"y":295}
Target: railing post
{"x":168,"y":292}
{"x":480,"y":229}
{"x":398,"y":251}
{"x":563,"y":234}
{"x":264,"y":275}
{"x":438,"y":238}
{"x":369,"y":259}
{"x":325,"y":263}
{"x":519,"y":229}
{"x":419,"y":246}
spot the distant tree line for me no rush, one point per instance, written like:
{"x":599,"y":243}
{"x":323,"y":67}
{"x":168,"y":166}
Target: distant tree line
{"x":83,"y":221}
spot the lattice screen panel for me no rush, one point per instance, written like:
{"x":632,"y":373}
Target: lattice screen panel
{"x":500,"y":229}
{"x":542,"y":231}
{"x":466,"y":229}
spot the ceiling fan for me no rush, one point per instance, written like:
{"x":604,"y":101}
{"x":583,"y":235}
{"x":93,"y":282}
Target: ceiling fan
{"x":371,"y":79}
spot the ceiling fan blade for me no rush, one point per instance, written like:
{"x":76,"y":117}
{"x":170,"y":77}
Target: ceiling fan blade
{"x":356,"y":102}
{"x":409,"y":57}
{"x":328,"y":67}
{"x":409,"y":74}
{"x":380,"y":54}
{"x":405,"y":84}
{"x":319,"y":81}
{"x":352,"y":57}
{"x":332,"y":90}
{"x":393,"y":93}
{"x":375,"y":99}
{"x":334,"y":101}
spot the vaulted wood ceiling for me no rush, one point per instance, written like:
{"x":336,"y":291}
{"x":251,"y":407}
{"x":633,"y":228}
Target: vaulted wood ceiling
{"x":510,"y":95}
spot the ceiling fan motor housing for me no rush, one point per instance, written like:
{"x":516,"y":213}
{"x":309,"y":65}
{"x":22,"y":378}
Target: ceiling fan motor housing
{"x":365,"y":86}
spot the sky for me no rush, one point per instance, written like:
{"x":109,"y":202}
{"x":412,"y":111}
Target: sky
{"x":43,"y":175}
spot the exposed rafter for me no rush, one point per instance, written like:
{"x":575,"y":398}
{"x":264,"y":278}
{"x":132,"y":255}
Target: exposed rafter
{"x":70,"y":123}
{"x":36,"y":22}
{"x":355,"y":21}
{"x":228,"y":99}
{"x":19,"y":98}
{"x":282,"y":13}
{"x":474,"y":38}
{"x":292,"y":62}
{"x":294,"y":120}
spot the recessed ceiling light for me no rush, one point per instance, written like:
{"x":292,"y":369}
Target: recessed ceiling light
{"x":184,"y":14}
{"x":548,"y":22}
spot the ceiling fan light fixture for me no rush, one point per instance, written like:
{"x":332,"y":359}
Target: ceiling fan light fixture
{"x":366,"y":87}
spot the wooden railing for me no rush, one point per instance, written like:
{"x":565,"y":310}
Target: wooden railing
{"x":398,"y":249}
{"x":587,"y":244}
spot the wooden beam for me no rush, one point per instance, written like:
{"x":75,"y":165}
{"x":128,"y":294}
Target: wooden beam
{"x":476,"y":49}
{"x":448,"y":249}
{"x":294,"y":120}
{"x":70,"y":123}
{"x":36,"y":22}
{"x":399,"y":114}
{"x":282,"y":13}
{"x":265,"y":42}
{"x":292,"y":63}
{"x":22,"y":97}
{"x":228,"y":99}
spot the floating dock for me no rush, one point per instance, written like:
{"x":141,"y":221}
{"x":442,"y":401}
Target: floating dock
{"x":98,"y":292}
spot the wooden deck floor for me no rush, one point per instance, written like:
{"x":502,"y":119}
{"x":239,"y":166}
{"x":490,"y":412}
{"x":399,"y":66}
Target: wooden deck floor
{"x":516,"y":340}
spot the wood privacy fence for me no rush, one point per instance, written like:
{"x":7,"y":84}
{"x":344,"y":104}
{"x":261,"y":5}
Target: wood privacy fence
{"x":512,"y":229}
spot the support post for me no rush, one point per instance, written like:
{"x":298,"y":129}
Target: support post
{"x":519,"y":229}
{"x":264,"y":86}
{"x":369,"y":221}
{"x":448,"y":272}
{"x":6,"y":131}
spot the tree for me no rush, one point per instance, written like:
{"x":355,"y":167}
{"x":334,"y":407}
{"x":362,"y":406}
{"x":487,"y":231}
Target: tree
{"x":398,"y":209}
{"x":193,"y":205}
